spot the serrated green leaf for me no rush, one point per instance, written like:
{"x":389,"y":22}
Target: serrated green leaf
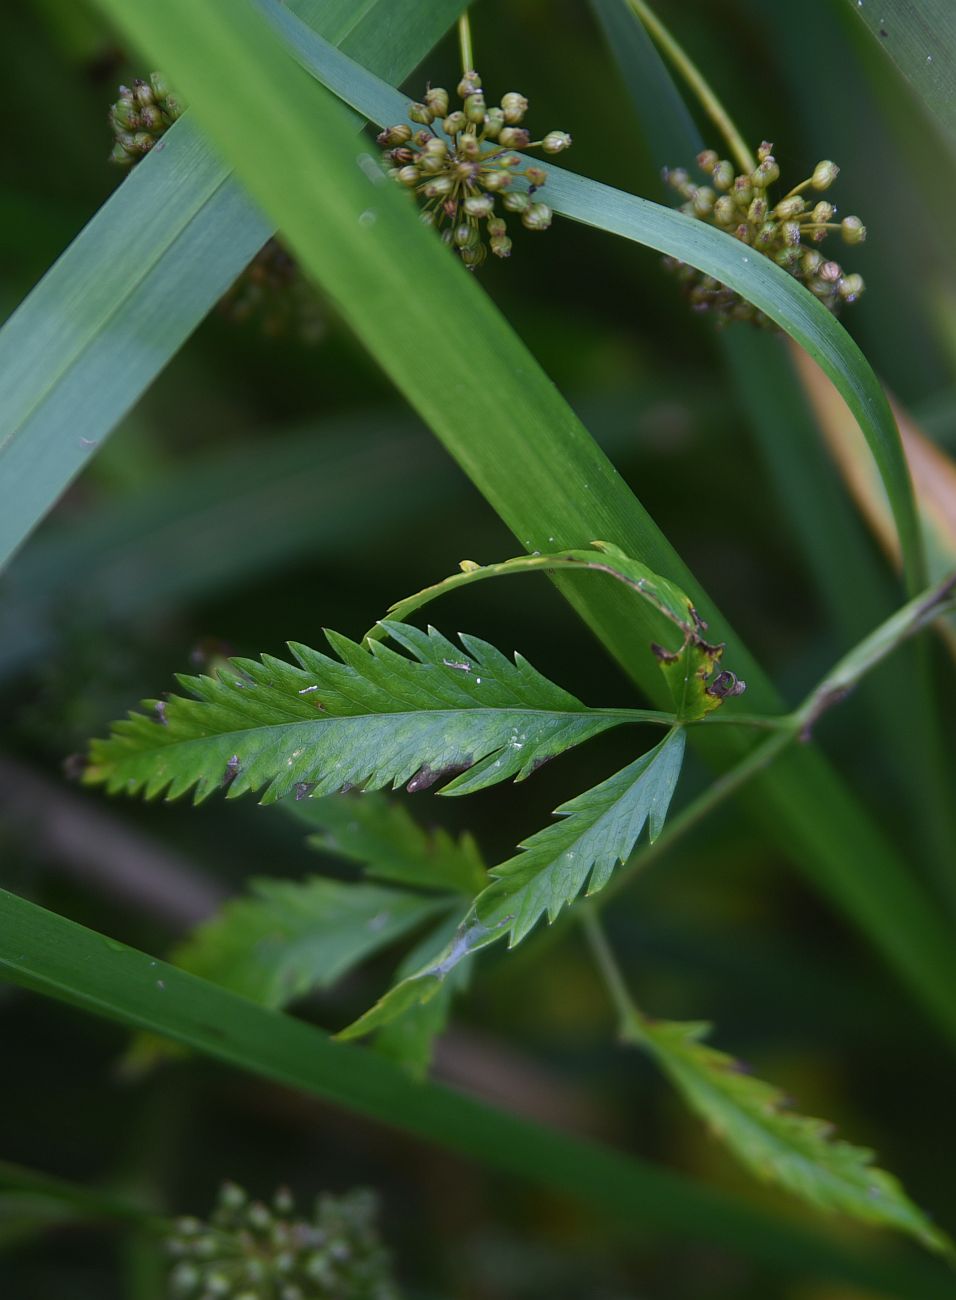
{"x":372,"y":718}
{"x":797,"y":1153}
{"x":385,"y":839}
{"x":601,"y":828}
{"x":289,"y":937}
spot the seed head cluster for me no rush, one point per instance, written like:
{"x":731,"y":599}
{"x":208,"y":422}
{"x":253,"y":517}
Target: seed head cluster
{"x":251,"y":1251}
{"x":787,"y":230}
{"x":460,"y":162}
{"x":271,"y":292}
{"x":143,"y":112}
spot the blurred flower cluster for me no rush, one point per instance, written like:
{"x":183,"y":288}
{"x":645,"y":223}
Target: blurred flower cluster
{"x":251,"y":1251}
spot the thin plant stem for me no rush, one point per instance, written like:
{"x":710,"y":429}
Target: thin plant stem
{"x":630,"y":1019}
{"x":465,"y":44}
{"x":697,"y":82}
{"x":89,"y":1203}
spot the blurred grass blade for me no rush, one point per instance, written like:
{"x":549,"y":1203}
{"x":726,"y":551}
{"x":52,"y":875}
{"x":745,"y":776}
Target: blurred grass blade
{"x":755,"y":277}
{"x":508,"y":427}
{"x":53,"y":956}
{"x":125,"y":296}
{"x":933,"y":471}
{"x":920,"y":37}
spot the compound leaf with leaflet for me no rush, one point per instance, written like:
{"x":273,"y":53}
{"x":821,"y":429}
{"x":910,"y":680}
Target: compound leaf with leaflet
{"x":796,"y":1152}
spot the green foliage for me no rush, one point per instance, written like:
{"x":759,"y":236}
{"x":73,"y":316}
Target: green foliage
{"x":751,"y":1118}
{"x":600,"y":829}
{"x":288,"y":937}
{"x":372,"y":718}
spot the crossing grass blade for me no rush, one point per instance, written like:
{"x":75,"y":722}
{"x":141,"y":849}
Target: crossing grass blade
{"x":509,"y":429}
{"x":65,"y":961}
{"x":128,"y":292}
{"x":756,"y":278}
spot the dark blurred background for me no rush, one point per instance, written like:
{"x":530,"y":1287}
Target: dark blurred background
{"x":266,"y":488}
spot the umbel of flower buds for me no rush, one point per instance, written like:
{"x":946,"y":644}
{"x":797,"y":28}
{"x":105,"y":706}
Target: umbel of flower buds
{"x":253,"y":1251}
{"x":787,"y":230}
{"x":460,"y":163}
{"x":143,"y":112}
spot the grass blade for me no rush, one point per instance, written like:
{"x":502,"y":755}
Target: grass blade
{"x":57,"y":958}
{"x":125,"y":296}
{"x":756,"y":278}
{"x":920,"y":38}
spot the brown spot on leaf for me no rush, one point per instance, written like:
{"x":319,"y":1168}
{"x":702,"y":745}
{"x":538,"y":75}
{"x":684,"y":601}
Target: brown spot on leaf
{"x":303,"y":789}
{"x":231,"y":772}
{"x":427,"y":776}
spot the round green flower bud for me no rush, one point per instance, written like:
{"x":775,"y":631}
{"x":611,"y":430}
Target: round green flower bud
{"x":725,"y":211}
{"x":468,"y":145}
{"x":143,"y":93}
{"x":703,"y":201}
{"x":151,"y":119}
{"x":766,"y":236}
{"x":509,"y":160}
{"x":141,"y":143}
{"x":811,"y":261}
{"x":516,"y":202}
{"x":436,"y":97}
{"x":822,"y":212}
{"x":465,"y":234}
{"x":850,"y":287}
{"x":767,"y":172}
{"x":481,"y":205}
{"x":469,"y":83}
{"x":536,"y":176}
{"x":536,"y":217}
{"x":764,"y":151}
{"x":421,"y":138}
{"x":514,"y":137}
{"x":556,"y":142}
{"x":184,"y":1278}
{"x":439,"y":187}
{"x":495,"y":180}
{"x":409,"y":176}
{"x":757,"y":212}
{"x":723,"y":175}
{"x":454,"y":122}
{"x":743,"y":191}
{"x":678,"y":179}
{"x":787,"y":209}
{"x":501,"y":246}
{"x":161,"y":87}
{"x":824,"y":174}
{"x":421,"y":113}
{"x":790,"y":233}
{"x":475,"y":107}
{"x":788,"y":258}
{"x":472,"y":256}
{"x":431,"y":164}
{"x":830,"y":272}
{"x":494,"y":121}
{"x":124,"y":115}
{"x":514,"y":106}
{"x":707,"y":160}
{"x":436,"y":147}
{"x":853,"y":230}
{"x":395,"y":135}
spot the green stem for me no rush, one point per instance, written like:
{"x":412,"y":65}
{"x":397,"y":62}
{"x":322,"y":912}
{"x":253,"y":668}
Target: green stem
{"x":630,"y":1020}
{"x":465,"y":44}
{"x":698,"y":84}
